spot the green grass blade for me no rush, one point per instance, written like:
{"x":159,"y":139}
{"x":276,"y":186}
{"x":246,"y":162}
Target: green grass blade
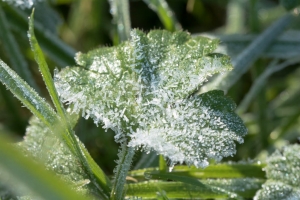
{"x":212,"y":171}
{"x":210,"y":189}
{"x":14,"y":54}
{"x":244,"y":60}
{"x":27,"y":95}
{"x":164,"y":13}
{"x":39,"y":57}
{"x":25,"y":171}
{"x":123,"y":165}
{"x":96,"y":174}
{"x":121,"y":16}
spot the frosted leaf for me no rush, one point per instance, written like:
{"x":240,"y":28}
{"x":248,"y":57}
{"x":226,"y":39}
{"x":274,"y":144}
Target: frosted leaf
{"x":283,"y":175}
{"x":142,"y":89}
{"x":47,"y":148}
{"x":22,"y":3}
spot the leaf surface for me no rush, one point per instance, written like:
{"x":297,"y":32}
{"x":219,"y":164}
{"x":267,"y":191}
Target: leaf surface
{"x":144,"y":89}
{"x":283,"y":175}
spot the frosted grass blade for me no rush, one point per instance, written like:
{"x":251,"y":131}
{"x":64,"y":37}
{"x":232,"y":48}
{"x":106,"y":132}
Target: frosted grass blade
{"x":14,"y":54}
{"x":27,"y":95}
{"x":26,"y":172}
{"x":96,"y":174}
{"x":123,"y":165}
{"x":164,"y":13}
{"x":39,"y":57}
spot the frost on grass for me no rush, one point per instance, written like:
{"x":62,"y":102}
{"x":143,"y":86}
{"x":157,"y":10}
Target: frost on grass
{"x":46,"y":147}
{"x":283,"y":175}
{"x":22,"y":3}
{"x":143,"y":89}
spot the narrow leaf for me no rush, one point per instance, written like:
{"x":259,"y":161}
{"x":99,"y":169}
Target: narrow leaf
{"x":27,"y":95}
{"x":245,"y":59}
{"x":165,"y":14}
{"x":121,"y":17}
{"x":25,"y":171}
{"x":39,"y":57}
{"x":123,"y":165}
{"x":95,"y":173}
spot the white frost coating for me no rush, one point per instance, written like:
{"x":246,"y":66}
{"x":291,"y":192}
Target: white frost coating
{"x":283,"y":175}
{"x":142,"y":87}
{"x":22,"y":3}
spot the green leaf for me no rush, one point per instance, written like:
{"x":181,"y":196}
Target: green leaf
{"x":24,"y":172}
{"x":44,"y":145}
{"x":283,"y":175}
{"x":95,"y":173}
{"x":43,"y":67}
{"x":38,"y":106}
{"x":208,"y":189}
{"x":290,"y":4}
{"x":233,"y":170}
{"x":143,"y":89}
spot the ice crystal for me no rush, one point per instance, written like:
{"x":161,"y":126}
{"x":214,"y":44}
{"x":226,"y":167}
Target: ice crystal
{"x":143,"y":89}
{"x":283,"y":175}
{"x":22,"y":3}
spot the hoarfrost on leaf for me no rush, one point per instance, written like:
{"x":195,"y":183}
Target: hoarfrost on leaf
{"x":144,"y":89}
{"x":283,"y":175}
{"x":44,"y":145}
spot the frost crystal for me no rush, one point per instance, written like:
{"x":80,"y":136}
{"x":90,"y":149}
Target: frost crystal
{"x":22,"y":3}
{"x":143,"y":89}
{"x":283,"y":175}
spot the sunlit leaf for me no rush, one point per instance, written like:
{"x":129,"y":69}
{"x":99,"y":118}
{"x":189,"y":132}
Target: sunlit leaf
{"x":144,"y":89}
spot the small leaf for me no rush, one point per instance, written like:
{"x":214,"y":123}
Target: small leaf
{"x":283,"y":175}
{"x":45,"y":146}
{"x":22,"y":172}
{"x":143,"y":89}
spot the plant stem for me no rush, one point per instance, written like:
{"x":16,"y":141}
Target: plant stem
{"x":125,"y":159}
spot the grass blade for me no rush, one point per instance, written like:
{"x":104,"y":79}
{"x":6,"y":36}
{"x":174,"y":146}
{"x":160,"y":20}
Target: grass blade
{"x":39,"y":57}
{"x":259,"y":82}
{"x":212,"y":171}
{"x":244,"y":60}
{"x":164,"y":13}
{"x":121,"y":16}
{"x":27,"y":95}
{"x":96,"y":174}
{"x":25,"y":171}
